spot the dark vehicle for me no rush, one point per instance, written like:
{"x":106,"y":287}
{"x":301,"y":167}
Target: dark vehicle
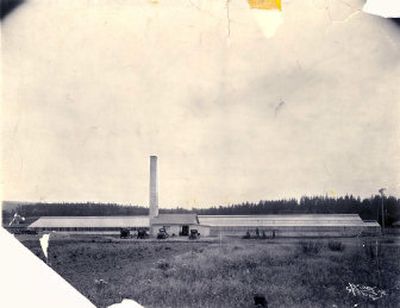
{"x":142,"y":234}
{"x":162,"y":234}
{"x":124,"y":233}
{"x":194,"y":234}
{"x":247,"y":236}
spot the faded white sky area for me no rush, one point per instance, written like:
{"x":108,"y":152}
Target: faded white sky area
{"x":92,"y":88}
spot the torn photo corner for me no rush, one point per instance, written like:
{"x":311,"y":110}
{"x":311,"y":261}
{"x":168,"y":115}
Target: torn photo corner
{"x":29,"y":282}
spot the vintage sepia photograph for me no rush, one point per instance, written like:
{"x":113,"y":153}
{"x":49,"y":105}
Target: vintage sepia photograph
{"x":200,"y":153}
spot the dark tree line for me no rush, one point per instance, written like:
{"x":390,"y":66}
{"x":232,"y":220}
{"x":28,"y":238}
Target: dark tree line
{"x":35,"y":210}
{"x":79,"y":209}
{"x":368,"y":209}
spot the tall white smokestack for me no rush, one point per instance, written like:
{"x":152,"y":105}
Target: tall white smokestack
{"x":153,"y":187}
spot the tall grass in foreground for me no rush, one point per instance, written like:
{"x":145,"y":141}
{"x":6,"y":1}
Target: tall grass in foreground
{"x":336,"y":246}
{"x":230,"y":275}
{"x":299,"y":274}
{"x":311,"y":247}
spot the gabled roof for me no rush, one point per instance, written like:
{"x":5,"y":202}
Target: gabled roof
{"x":371,"y":223}
{"x":175,"y":219}
{"x":90,"y":222}
{"x":396,"y":223}
{"x":300,"y":220}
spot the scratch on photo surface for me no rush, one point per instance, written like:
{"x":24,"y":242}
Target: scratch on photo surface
{"x":279,"y":107}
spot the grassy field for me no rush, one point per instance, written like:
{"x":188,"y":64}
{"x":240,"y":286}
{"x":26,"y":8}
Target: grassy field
{"x":288,"y":272}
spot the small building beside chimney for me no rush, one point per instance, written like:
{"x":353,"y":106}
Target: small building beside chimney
{"x":177,"y":224}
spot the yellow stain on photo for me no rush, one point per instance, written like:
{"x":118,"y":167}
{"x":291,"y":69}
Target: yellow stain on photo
{"x":265,"y":4}
{"x":268,"y":15}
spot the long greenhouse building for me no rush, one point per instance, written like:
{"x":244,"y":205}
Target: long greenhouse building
{"x":216,"y":225}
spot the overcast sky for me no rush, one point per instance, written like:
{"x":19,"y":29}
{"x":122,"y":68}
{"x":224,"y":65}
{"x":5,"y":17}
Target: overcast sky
{"x":91,"y":89}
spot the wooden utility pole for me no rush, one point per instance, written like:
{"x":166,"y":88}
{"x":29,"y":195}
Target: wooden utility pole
{"x":382,"y":192}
